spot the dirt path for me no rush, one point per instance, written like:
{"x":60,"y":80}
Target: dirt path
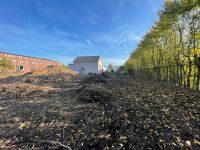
{"x":54,"y":112}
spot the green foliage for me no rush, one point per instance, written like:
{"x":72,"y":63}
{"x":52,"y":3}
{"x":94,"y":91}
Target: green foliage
{"x":170,"y":51}
{"x":130,"y":64}
{"x":6,"y":64}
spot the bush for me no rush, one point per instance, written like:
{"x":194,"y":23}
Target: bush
{"x":6,"y":64}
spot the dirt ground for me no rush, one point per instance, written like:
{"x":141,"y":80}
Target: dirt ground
{"x":102,"y":112}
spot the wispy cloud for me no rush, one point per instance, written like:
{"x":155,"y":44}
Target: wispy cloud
{"x":56,"y":41}
{"x":154,"y":4}
{"x":118,"y":11}
{"x":64,"y":46}
{"x":89,"y":42}
{"x":120,"y":36}
{"x":88,"y":15}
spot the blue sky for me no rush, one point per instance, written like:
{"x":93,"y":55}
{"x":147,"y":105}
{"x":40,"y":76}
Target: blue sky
{"x":64,"y":29}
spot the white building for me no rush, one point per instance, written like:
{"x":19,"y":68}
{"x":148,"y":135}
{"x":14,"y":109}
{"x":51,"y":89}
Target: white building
{"x":85,"y":65}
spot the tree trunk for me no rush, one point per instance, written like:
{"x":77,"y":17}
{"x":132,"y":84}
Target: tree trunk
{"x":198,"y":78}
{"x":189,"y":73}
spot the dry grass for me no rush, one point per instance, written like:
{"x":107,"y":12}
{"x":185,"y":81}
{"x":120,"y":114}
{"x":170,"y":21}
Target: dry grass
{"x":53,"y":70}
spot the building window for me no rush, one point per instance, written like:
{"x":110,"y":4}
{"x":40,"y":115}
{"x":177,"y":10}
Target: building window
{"x":20,"y":67}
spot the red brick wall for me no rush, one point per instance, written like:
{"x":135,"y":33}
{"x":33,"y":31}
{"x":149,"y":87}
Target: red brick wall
{"x":28,"y":63}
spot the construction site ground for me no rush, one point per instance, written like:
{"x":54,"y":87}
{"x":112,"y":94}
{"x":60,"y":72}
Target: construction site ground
{"x":64,"y":111}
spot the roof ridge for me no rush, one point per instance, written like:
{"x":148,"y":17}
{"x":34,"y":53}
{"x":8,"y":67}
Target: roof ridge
{"x":80,"y":59}
{"x":28,"y":56}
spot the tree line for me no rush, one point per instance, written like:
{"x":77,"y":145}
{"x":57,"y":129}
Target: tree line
{"x":170,"y":51}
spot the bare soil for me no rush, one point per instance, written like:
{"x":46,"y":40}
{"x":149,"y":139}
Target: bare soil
{"x":65,"y":112}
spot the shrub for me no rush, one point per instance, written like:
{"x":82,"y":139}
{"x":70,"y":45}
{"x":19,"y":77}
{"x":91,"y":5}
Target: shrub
{"x":6,"y":64}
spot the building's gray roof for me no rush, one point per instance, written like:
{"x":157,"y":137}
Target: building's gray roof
{"x":82,"y":59}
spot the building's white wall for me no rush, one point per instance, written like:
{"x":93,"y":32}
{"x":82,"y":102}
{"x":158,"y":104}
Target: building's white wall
{"x":100,"y":65}
{"x":87,"y":67}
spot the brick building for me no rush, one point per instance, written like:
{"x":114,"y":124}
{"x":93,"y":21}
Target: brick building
{"x":27,"y":63}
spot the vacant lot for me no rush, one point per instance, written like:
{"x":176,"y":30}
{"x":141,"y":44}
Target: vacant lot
{"x":65,"y":112}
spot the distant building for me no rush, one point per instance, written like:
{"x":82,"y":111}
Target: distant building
{"x":110,"y":68}
{"x":26,"y":63}
{"x":85,"y":65}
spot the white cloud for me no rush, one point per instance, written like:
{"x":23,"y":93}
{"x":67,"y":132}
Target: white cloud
{"x":155,"y":4}
{"x":120,"y":36}
{"x":64,"y":46}
{"x":89,"y":42}
{"x":118,"y":11}
{"x":35,"y":38}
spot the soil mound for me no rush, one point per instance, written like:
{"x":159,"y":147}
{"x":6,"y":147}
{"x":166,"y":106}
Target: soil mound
{"x":94,"y":93}
{"x":97,"y":79}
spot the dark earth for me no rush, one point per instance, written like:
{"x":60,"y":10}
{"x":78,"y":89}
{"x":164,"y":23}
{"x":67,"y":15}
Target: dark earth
{"x":101,"y":112}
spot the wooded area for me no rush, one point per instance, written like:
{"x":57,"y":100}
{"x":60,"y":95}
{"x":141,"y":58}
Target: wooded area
{"x":171,"y":50}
